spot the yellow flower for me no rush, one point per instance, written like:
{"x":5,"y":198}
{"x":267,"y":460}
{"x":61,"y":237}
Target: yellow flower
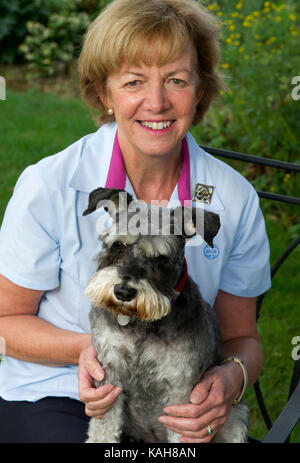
{"x":292,"y":17}
{"x":286,"y":178}
{"x":229,"y":40}
{"x":225,"y":66}
{"x":278,"y":19}
{"x":234,"y":14}
{"x":271,"y":40}
{"x":241,"y":49}
{"x":266,"y":4}
{"x":231,"y":27}
{"x":272,"y":188}
{"x":246,"y":24}
{"x":213,"y":7}
{"x":239,"y":5}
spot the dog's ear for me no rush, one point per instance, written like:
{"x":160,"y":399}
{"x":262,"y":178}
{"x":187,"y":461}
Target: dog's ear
{"x":102,"y":196}
{"x":196,"y":221}
{"x":212,"y":225}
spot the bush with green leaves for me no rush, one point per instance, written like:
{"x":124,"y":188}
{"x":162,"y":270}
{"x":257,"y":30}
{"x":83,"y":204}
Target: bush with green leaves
{"x":52,"y":25}
{"x":46,"y":46}
{"x":14,"y":14}
{"x":257,"y":114}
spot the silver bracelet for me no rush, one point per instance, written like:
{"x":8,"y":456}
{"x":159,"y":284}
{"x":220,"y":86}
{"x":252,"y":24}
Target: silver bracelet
{"x":245,"y":384}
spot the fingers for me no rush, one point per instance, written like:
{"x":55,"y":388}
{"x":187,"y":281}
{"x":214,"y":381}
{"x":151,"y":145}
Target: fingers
{"x":197,"y":437}
{"x":97,"y":400}
{"x":106,"y":396}
{"x":194,"y":425}
{"x":208,"y":407}
{"x":88,"y":369}
{"x":89,"y":364}
{"x":201,"y":391}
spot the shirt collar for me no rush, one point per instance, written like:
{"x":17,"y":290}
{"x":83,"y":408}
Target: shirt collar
{"x":92,"y":169}
{"x":101,"y":165}
{"x":202,"y":173}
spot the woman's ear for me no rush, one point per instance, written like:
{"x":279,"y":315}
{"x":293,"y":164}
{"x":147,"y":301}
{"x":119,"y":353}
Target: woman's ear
{"x":103,"y":94}
{"x":199,"y":95}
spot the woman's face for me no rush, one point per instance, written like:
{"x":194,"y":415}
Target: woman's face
{"x":154,"y":106}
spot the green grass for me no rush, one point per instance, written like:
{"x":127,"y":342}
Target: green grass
{"x":278,"y":324}
{"x":35,"y":124}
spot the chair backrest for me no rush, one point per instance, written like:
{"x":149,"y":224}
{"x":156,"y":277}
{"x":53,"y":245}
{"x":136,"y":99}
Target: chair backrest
{"x":288,"y":167}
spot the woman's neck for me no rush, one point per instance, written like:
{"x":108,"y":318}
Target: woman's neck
{"x":153,"y":177}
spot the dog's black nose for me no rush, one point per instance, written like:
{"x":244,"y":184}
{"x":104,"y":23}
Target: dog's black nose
{"x":124,"y":293}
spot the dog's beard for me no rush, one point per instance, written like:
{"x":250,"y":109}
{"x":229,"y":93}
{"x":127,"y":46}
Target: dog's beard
{"x":148,"y":305}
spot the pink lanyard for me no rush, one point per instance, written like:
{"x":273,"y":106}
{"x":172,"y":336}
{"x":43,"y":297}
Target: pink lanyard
{"x":116,"y":177}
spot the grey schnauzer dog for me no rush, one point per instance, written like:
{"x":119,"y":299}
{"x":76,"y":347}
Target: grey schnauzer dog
{"x":154,"y":334}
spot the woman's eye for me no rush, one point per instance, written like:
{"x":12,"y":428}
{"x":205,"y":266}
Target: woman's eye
{"x":133,"y":83}
{"x":178,"y":82}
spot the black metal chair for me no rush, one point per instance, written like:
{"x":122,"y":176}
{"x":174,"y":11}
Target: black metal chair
{"x":281,"y":430}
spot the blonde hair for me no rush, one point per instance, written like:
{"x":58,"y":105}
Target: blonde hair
{"x":152,"y":32}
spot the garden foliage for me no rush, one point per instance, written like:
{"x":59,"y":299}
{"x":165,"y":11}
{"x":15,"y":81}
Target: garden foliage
{"x":260,"y":43}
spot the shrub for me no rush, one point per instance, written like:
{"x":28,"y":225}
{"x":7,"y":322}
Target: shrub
{"x":14,"y":15}
{"x":256,"y":114}
{"x":57,"y":41}
{"x":38,"y":23}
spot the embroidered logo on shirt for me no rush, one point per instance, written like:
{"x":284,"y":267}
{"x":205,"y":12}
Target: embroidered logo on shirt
{"x":203,"y":193}
{"x":211,"y":253}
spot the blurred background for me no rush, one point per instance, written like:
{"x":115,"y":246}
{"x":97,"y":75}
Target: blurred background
{"x":40,"y":41}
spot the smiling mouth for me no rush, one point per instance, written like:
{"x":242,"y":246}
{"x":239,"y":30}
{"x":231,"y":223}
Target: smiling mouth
{"x":159,"y":125}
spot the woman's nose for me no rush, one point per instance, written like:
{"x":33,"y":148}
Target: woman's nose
{"x":156,"y":97}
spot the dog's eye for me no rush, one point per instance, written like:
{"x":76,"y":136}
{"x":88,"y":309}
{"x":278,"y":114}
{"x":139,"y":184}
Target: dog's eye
{"x":118,"y":245}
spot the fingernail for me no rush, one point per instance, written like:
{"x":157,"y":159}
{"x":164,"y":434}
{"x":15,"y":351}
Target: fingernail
{"x":196,"y":398}
{"x":99,"y":375}
{"x":163,"y":419}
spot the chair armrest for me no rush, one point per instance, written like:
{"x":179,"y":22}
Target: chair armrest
{"x":286,"y":421}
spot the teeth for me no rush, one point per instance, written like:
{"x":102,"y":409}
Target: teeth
{"x":156,"y":125}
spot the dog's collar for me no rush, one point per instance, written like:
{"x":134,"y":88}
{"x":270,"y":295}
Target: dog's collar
{"x":182,"y":280}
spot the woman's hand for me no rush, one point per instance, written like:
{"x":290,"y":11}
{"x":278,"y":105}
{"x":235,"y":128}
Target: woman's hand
{"x":211,"y":401}
{"x":97,"y":400}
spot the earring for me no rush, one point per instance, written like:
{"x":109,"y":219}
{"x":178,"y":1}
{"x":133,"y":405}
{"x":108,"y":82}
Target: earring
{"x":110,"y":111}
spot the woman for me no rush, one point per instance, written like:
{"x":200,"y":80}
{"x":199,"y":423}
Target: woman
{"x":150,"y":68}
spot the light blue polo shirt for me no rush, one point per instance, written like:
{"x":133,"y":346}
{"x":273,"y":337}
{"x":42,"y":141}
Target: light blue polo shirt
{"x":46,"y":244}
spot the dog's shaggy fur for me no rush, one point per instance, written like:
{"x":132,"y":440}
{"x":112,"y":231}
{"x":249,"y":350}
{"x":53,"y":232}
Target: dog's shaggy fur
{"x":152,"y":344}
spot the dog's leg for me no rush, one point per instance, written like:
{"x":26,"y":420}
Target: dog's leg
{"x":235,"y":430}
{"x":109,"y":428}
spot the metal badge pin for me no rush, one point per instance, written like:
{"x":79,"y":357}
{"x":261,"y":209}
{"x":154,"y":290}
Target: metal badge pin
{"x":203,"y":193}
